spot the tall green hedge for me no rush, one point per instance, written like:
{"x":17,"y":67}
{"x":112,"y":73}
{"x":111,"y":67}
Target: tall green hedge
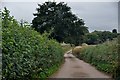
{"x":27,"y":54}
{"x":103,"y":56}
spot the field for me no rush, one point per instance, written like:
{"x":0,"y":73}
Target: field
{"x":66,"y":47}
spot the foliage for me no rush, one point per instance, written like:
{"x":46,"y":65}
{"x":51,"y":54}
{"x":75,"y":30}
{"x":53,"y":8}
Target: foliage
{"x":114,"y":31}
{"x":105,"y":35}
{"x":92,"y":38}
{"x":59,"y":18}
{"x":97,"y":37}
{"x":24,"y":23}
{"x":76,"y":50}
{"x":26,"y":53}
{"x":103,"y":56}
{"x":117,"y":76}
{"x":8,"y":20}
{"x":0,"y":29}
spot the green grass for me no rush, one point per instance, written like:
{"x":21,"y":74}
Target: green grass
{"x":48,"y":72}
{"x":102,"y":56}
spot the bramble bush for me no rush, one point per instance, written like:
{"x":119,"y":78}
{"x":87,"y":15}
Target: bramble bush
{"x":27,"y":54}
{"x":103,"y":56}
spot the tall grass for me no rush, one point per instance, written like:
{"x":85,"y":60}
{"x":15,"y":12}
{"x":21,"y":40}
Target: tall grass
{"x":103,"y":56}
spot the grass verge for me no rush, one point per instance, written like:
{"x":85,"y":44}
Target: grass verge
{"x":103,"y":56}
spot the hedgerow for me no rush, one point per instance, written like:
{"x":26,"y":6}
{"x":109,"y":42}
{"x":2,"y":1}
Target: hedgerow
{"x":103,"y":56}
{"x":27,"y":54}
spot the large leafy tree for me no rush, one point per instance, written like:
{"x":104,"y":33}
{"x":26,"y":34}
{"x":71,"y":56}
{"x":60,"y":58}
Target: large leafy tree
{"x":58,"y":18}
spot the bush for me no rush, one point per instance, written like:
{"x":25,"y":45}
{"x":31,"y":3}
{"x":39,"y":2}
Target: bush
{"x":27,"y":54}
{"x":76,"y":50}
{"x":103,"y":56}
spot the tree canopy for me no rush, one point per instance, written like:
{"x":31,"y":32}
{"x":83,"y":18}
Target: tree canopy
{"x":58,"y":18}
{"x":114,"y":30}
{"x":7,"y":20}
{"x":97,"y":37}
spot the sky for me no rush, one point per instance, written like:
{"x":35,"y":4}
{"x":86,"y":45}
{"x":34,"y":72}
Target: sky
{"x":99,"y":15}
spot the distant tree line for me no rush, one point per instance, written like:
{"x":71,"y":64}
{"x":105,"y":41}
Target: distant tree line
{"x":97,"y":37}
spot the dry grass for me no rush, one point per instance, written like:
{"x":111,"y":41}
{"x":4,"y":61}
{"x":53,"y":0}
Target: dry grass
{"x":77,"y":50}
{"x":66,"y":47}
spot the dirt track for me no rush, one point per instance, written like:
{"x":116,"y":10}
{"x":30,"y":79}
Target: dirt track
{"x":75,"y":68}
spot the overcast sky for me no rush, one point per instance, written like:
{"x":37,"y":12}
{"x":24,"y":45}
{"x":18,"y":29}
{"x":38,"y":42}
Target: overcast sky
{"x":97,"y":15}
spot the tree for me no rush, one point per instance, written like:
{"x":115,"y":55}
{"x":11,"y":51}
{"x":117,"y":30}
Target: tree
{"x":24,"y":23}
{"x":114,"y":31}
{"x":65,"y":25}
{"x":105,"y":35}
{"x":7,"y":20}
{"x":92,"y":38}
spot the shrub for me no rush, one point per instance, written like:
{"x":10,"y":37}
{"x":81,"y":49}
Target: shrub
{"x":84,"y":44}
{"x":76,"y":50}
{"x":27,"y":54}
